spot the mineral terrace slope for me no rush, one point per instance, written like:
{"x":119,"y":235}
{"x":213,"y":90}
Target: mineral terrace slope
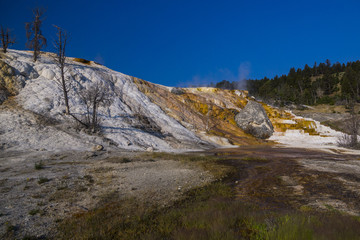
{"x":209,"y":112}
{"x":39,"y":94}
{"x":141,"y":116}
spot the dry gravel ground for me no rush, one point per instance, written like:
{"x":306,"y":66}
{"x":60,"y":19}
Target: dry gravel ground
{"x":38,"y":189}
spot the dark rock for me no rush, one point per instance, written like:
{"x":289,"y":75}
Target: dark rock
{"x":253,"y":120}
{"x":3,"y":95}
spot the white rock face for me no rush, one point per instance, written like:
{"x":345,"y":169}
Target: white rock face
{"x":42,"y":95}
{"x":327,"y":138}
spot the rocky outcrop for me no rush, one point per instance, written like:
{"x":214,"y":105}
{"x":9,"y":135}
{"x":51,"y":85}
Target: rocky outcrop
{"x":253,"y":120}
{"x":8,"y":84}
{"x":177,"y":91}
{"x":8,"y":80}
{"x":209,"y":112}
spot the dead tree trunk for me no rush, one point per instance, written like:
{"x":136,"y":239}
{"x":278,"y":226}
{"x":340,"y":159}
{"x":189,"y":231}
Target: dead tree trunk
{"x":60,"y":59}
{"x":94,"y":96}
{"x":94,"y":116}
{"x":34,"y":35}
{"x":6,"y":39}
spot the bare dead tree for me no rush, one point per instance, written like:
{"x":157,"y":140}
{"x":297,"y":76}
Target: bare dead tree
{"x":35,"y":39}
{"x":93,"y":97}
{"x":6,"y":39}
{"x":60,"y":60}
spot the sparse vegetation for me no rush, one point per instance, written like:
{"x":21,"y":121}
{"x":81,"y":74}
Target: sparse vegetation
{"x":210,"y":212}
{"x":29,"y":237}
{"x":119,"y":160}
{"x":349,"y":138}
{"x":219,"y":210}
{"x":43,"y":180}
{"x":89,"y":178}
{"x":34,"y":212}
{"x":10,"y":227}
{"x":98,"y":94}
{"x":39,"y":165}
{"x":254,"y":159}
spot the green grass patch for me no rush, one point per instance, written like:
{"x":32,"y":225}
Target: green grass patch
{"x":210,"y":212}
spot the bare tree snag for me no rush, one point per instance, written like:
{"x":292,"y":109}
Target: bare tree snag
{"x":60,"y":60}
{"x":94,"y":96}
{"x":6,"y":39}
{"x":35,"y":39}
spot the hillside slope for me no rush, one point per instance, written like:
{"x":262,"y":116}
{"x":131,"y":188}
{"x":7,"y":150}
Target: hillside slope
{"x":209,"y":112}
{"x":38,"y":94}
{"x":141,"y":115}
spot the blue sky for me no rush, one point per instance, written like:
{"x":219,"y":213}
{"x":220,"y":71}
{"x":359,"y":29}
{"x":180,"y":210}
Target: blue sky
{"x":177,"y":43}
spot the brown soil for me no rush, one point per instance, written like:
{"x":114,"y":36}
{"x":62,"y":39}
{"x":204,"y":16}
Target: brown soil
{"x":286,"y":178}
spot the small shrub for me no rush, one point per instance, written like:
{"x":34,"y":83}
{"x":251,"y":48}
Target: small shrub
{"x":34,"y":212}
{"x":43,"y":180}
{"x":39,"y":165}
{"x":81,"y":60}
{"x":89,"y":178}
{"x":10,"y":228}
{"x":28,"y":237}
{"x":119,"y":160}
{"x":125,"y":160}
{"x":62,"y":187}
{"x":345,"y":140}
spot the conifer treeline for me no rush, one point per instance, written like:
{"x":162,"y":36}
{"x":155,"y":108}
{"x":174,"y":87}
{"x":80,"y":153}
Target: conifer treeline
{"x":323,"y":83}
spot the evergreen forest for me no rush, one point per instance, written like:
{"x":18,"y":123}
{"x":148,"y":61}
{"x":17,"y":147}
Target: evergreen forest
{"x":324,"y":83}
